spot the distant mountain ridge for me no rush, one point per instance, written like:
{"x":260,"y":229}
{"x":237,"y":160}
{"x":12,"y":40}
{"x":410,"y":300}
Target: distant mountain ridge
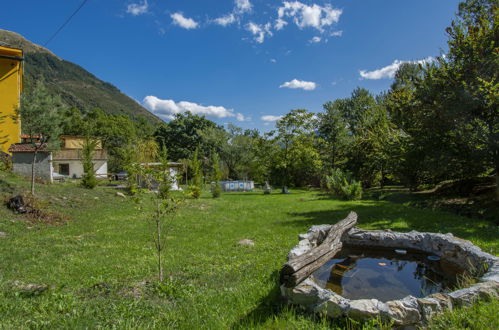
{"x":76,"y":86}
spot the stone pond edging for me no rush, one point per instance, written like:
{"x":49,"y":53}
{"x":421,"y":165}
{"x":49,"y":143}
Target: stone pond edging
{"x":409,"y":310}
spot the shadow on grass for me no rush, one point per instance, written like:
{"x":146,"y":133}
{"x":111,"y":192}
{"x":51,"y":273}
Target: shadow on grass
{"x":267,"y":307}
{"x":273,"y":308}
{"x":380,"y":215}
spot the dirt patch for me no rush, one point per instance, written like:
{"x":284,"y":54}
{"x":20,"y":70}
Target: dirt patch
{"x":36,"y":211}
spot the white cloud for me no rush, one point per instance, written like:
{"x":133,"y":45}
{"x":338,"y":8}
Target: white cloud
{"x":243,"y":6}
{"x":337,"y":34}
{"x":270,"y":118}
{"x":240,"y":117}
{"x":390,"y":70}
{"x":259,"y":31}
{"x":280,"y":24}
{"x":295,"y":83}
{"x":315,"y":40}
{"x":166,"y":109}
{"x":183,"y":22}
{"x":273,"y":60}
{"x":314,"y":16}
{"x":225,"y":20}
{"x":137,"y":8}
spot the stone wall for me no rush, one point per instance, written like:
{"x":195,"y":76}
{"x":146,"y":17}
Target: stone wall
{"x":409,"y":311}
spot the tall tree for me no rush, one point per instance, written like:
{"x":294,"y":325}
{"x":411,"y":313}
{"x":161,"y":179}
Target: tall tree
{"x":334,"y":133}
{"x":182,"y":135}
{"x":298,"y":160}
{"x":41,"y":119}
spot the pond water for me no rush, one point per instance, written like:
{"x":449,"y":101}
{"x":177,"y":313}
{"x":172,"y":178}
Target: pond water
{"x":385,"y":274}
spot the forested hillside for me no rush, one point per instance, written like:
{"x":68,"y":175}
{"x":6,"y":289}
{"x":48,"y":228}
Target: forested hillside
{"x":76,"y":86}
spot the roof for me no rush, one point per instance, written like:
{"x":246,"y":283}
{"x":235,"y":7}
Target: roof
{"x":14,"y":53}
{"x":25,"y":147}
{"x":72,"y":137}
{"x":171,"y":164}
{"x":27,"y":136}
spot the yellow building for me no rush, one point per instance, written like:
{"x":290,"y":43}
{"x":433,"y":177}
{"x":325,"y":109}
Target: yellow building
{"x":11,"y":78}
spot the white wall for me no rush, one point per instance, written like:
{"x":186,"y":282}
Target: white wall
{"x":76,"y":168}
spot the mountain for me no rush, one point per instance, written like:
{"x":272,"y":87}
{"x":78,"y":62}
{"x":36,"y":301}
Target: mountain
{"x":76,"y":86}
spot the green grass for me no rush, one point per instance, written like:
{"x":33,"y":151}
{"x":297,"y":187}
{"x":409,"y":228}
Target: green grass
{"x":97,"y":263}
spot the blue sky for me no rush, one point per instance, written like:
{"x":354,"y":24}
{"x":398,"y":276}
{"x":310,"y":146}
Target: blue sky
{"x":243,"y":61}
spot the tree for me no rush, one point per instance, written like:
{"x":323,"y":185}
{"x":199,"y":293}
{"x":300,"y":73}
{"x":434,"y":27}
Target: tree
{"x":197,"y":176}
{"x":89,"y":145}
{"x":216,"y":176}
{"x":182,"y":135}
{"x":117,"y":133}
{"x":356,"y":133}
{"x":41,"y":119}
{"x":138,"y":154}
{"x":297,"y":159}
{"x":334,"y":134}
{"x":236,"y":149}
{"x":165,"y":203}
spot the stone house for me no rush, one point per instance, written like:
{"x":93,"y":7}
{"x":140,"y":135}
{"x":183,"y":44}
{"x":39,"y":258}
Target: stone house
{"x":66,"y":162}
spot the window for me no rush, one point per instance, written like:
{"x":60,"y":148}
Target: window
{"x":64,"y":169}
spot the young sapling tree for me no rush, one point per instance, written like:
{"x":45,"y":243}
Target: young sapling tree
{"x":41,"y":119}
{"x":154,"y":190}
{"x":216,"y":176}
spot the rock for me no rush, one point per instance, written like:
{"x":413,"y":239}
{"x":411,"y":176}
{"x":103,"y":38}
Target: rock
{"x":120,"y":194}
{"x":308,"y":294}
{"x":3,"y":234}
{"x":465,"y":297}
{"x":407,"y":312}
{"x":364,"y":309}
{"x":443,"y":300}
{"x":336,"y":306}
{"x":492,"y":273}
{"x":429,"y":307}
{"x":404,"y":311}
{"x":29,"y":288}
{"x":246,"y":242}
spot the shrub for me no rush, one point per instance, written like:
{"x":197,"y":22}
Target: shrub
{"x":194,"y":191}
{"x":343,"y":185}
{"x":197,"y":176}
{"x":216,"y":190}
{"x":89,"y":180}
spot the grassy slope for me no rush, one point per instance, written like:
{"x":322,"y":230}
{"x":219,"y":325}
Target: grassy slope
{"x":95,"y":263}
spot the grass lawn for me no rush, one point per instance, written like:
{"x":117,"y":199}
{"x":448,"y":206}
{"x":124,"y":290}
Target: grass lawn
{"x":99,"y":266}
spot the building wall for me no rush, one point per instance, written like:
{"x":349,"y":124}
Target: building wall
{"x":21,"y":164}
{"x":76,"y":168}
{"x":76,"y":142}
{"x":10,"y":93}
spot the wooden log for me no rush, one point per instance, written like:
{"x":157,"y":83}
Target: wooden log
{"x":299,"y":268}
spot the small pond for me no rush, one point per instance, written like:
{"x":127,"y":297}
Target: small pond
{"x":386,"y":274}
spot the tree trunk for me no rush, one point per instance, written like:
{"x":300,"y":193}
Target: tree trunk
{"x":159,"y":247}
{"x":33,"y":173}
{"x":299,"y":268}
{"x":497,"y":185}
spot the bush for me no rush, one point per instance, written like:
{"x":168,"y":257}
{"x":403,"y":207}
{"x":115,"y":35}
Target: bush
{"x":216,"y":190}
{"x":5,"y":162}
{"x":343,"y":185}
{"x":194,"y":191}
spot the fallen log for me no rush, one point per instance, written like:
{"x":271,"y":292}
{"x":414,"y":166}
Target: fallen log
{"x":300,"y":267}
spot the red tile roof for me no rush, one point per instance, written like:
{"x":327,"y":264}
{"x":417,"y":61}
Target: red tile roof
{"x":24,"y":147}
{"x":27,"y":136}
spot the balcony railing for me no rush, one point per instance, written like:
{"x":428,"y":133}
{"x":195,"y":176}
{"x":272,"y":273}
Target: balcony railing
{"x":76,"y":154}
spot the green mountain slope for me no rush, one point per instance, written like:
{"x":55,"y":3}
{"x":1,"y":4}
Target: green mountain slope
{"x":76,"y":86}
